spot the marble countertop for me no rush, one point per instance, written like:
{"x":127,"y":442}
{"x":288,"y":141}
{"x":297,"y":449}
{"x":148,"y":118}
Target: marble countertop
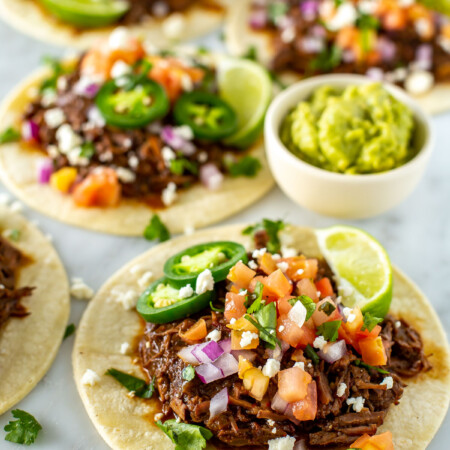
{"x":416,"y":235}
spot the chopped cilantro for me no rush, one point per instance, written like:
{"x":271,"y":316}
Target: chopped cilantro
{"x":139,"y":387}
{"x":184,"y":435}
{"x":248,"y":166}
{"x":312,"y":355}
{"x":178,"y":166}
{"x":87,"y":150}
{"x":326,"y":60}
{"x":251,"y":53}
{"x":9,"y":135}
{"x":329,"y":330}
{"x":338,"y":3}
{"x":307,"y":302}
{"x":367,"y":21}
{"x":265,"y":335}
{"x":214,"y":308}
{"x":141,"y":68}
{"x":256,"y":305}
{"x":188,"y":373}
{"x":370,"y":322}
{"x":57,"y":70}
{"x":327,"y":308}
{"x":156,"y":230}
{"x":359,"y":363}
{"x":272,"y":229}
{"x":267,"y":318}
{"x":276,"y":11}
{"x":14,"y":234}
{"x":70,"y":329}
{"x":24,"y":430}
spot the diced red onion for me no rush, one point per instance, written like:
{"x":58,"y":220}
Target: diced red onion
{"x":348,"y":56}
{"x":424,"y":56}
{"x":318,"y":31}
{"x":30,"y":131}
{"x":219,"y":403}
{"x":44,"y":170}
{"x":246,"y":354}
{"x":333,"y":352}
{"x":226,"y":345}
{"x":311,"y":44}
{"x":86,"y":87}
{"x":175,"y":141}
{"x":375,"y":74}
{"x":258,"y":19}
{"x":187,"y":356}
{"x":90,"y":91}
{"x":207,"y":352}
{"x":208,"y":373}
{"x":278,"y":404}
{"x":290,"y":413}
{"x":309,"y":9}
{"x":284,"y":346}
{"x":387,"y":49}
{"x":340,"y":308}
{"x":211,"y":176}
{"x":227,"y":364}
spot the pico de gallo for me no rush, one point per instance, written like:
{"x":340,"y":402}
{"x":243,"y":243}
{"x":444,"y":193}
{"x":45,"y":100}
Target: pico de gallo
{"x":402,"y":42}
{"x":127,"y":122}
{"x":270,"y":356}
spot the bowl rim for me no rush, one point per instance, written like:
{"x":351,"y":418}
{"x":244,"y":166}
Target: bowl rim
{"x":283,"y":102}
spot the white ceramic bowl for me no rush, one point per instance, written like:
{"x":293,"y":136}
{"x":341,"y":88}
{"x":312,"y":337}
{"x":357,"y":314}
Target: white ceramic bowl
{"x":334,"y":194}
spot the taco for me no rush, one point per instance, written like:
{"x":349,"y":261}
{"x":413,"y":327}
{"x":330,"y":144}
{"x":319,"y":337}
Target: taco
{"x":34,"y":307}
{"x":404,"y":43}
{"x":121,"y":133}
{"x":256,"y":348}
{"x":80,"y":23}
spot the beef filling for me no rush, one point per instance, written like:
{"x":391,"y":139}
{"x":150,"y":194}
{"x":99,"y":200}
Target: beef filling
{"x":248,"y":422}
{"x":11,"y":260}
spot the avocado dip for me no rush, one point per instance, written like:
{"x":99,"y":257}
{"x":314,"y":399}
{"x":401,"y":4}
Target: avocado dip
{"x":359,"y":130}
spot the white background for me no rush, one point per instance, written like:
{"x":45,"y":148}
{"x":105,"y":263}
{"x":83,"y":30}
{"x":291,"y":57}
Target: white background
{"x":416,"y":235}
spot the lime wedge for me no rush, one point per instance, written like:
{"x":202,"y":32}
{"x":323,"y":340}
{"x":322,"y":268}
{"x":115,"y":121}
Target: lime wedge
{"x":361,"y":266}
{"x":442,"y":6}
{"x":247,"y":88}
{"x":87,"y":13}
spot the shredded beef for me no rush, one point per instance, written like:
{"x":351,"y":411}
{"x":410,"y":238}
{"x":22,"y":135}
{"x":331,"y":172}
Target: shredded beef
{"x":247,"y":422}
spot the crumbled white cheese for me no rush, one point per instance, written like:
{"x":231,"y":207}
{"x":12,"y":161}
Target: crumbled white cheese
{"x":319,"y":342}
{"x":158,"y":416}
{"x":174,"y":26}
{"x":16,"y":206}
{"x":119,"y":39}
{"x":288,"y":252}
{"x":424,"y":27}
{"x":145,"y":279}
{"x":357,"y":403}
{"x":288,"y":34}
{"x":349,"y":314}
{"x":186,"y":292}
{"x":186,"y":83}
{"x":283,"y":266}
{"x":252,"y":264}
{"x":133,"y":161}
{"x":298,"y":314}
{"x":300,"y":364}
{"x":368,"y":6}
{"x":127,"y":299}
{"x":54,"y":117}
{"x":300,"y":271}
{"x":119,"y":69}
{"x":75,"y":158}
{"x":341,"y":389}
{"x":105,"y":156}
{"x":80,"y":289}
{"x":271,"y":368}
{"x":281,"y":328}
{"x":168,"y":155}
{"x":124,"y":348}
{"x":276,"y":256}
{"x":284,"y":443}
{"x":345,"y":16}
{"x":419,"y":82}
{"x":48,"y":98}
{"x":90,"y":378}
{"x":202,"y":157}
{"x":205,"y":282}
{"x":258,"y":253}
{"x":169,"y":194}
{"x":233,"y":320}
{"x":270,"y":422}
{"x":388,"y":382}
{"x":67,"y":138}
{"x":215,"y":335}
{"x":243,"y":292}
{"x":247,"y":338}
{"x":274,"y":430}
{"x":184,"y":132}
{"x":398,"y":324}
{"x":125,"y":175}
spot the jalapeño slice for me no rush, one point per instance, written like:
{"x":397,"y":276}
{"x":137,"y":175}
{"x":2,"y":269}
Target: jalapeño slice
{"x":219,"y":257}
{"x":87,"y":13}
{"x":132,"y":108}
{"x":208,"y":116}
{"x":161,"y":303}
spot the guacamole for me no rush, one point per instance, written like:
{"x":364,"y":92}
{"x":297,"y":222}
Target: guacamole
{"x":359,"y":130}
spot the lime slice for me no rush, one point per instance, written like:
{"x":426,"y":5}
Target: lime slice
{"x":247,"y":88}
{"x":442,"y":6}
{"x":361,"y":266}
{"x":88,"y":13}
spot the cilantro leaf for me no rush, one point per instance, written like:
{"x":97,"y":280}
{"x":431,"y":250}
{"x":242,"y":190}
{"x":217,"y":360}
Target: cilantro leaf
{"x":87,"y":150}
{"x":370,"y":322}
{"x":359,"y":363}
{"x":264,"y":334}
{"x":9,"y":135}
{"x":272,"y":229}
{"x":329,"y":330}
{"x":312,"y":355}
{"x":70,"y":329}
{"x":276,"y":11}
{"x":326,"y":60}
{"x":256,"y":305}
{"x":267,"y":318}
{"x":14,"y":234}
{"x":251,"y":53}
{"x":214,"y":308}
{"x":248,"y":166}
{"x":367,"y":21}
{"x":188,"y":373}
{"x":307,"y":302}
{"x":184,"y":435}
{"x":178,"y":166}
{"x":133,"y":384}
{"x":327,"y":308}
{"x":57,"y":70}
{"x":24,"y":430}
{"x":156,"y":230}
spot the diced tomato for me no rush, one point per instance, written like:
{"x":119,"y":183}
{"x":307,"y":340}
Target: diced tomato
{"x":299,"y":267}
{"x":234,"y":306}
{"x":356,"y":324}
{"x":319,"y":317}
{"x":324,"y":287}
{"x":236,"y":337}
{"x":283,"y":305}
{"x":349,"y":339}
{"x":277,"y":284}
{"x":197,"y":332}
{"x":293,"y":334}
{"x":395,"y":19}
{"x":366,"y":334}
{"x":267,"y":293}
{"x":373,"y":352}
{"x":293,"y":384}
{"x":267,"y":264}
{"x":99,"y":188}
{"x":306,"y":409}
{"x":381,"y":441}
{"x":307,"y":287}
{"x":241,"y":275}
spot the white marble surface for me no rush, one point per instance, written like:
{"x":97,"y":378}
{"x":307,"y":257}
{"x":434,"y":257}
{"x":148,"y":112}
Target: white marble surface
{"x":416,"y":234}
